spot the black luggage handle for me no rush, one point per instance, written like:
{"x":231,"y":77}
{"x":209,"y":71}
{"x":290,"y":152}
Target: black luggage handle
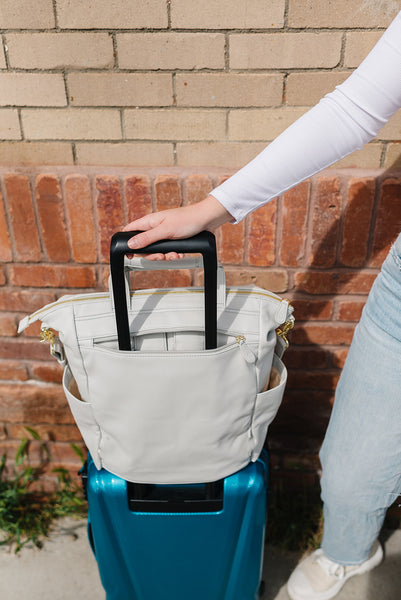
{"x":203,"y":243}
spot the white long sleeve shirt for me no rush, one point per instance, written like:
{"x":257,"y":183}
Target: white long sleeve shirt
{"x":343,"y":121}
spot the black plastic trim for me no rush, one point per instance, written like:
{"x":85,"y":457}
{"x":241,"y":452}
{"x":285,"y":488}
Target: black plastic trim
{"x":203,"y":243}
{"x":152,"y":498}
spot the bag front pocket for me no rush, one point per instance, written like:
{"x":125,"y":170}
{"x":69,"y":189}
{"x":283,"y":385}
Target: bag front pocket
{"x":83,"y":415}
{"x":173,"y":417}
{"x":267,"y":405}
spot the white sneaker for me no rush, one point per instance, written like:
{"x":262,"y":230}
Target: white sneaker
{"x":319,"y":578}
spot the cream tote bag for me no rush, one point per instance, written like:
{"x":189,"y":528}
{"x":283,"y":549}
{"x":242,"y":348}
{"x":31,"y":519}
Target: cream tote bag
{"x":154,"y":401}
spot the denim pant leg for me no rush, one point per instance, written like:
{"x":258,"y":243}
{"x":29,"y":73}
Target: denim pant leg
{"x":361,"y":454}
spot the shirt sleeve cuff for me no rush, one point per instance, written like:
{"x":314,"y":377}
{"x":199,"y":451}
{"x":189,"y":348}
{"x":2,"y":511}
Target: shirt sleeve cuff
{"x":229,"y":205}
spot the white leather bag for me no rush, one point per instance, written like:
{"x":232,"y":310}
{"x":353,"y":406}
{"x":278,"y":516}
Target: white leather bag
{"x":168,"y":410}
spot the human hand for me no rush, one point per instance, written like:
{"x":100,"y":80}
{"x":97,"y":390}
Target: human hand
{"x":177,"y":223}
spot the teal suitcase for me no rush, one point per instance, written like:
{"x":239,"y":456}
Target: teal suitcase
{"x":181,"y":542}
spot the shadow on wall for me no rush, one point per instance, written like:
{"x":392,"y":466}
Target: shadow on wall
{"x":299,"y":428}
{"x":345,"y":260}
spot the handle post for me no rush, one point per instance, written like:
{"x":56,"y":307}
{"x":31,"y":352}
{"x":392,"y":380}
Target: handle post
{"x":203,"y":243}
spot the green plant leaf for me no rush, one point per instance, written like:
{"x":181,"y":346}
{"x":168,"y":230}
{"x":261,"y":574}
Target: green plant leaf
{"x":78,"y":452}
{"x":21,"y":452}
{"x":26,"y":510}
{"x":33,"y":433}
{"x":2,"y":464}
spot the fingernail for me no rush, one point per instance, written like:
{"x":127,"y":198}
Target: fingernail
{"x":132,"y":243}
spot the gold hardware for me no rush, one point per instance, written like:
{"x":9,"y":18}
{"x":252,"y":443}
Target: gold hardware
{"x":282,"y":331}
{"x":56,"y":348}
{"x":47,"y":335}
{"x":240,"y":339}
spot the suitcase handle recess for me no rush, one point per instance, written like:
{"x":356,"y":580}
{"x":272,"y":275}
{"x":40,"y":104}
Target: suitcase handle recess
{"x":203,"y":243}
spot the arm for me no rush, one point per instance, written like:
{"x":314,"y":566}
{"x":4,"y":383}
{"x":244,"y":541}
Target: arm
{"x":343,"y":121}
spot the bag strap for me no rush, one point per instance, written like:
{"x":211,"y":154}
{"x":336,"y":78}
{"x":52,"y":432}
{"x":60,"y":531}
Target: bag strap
{"x":203,"y":243}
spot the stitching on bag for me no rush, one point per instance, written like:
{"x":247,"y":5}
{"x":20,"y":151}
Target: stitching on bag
{"x":397,"y":259}
{"x":159,"y":310}
{"x":55,"y":305}
{"x":79,"y":349}
{"x":257,"y":377}
{"x":147,"y":293}
{"x":281,"y":384}
{"x":251,"y":431}
{"x":167,"y":354}
{"x":34,"y":316}
{"x":260,"y":353}
{"x":90,"y":405}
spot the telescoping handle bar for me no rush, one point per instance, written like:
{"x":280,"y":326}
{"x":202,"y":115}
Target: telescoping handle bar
{"x":203,"y":243}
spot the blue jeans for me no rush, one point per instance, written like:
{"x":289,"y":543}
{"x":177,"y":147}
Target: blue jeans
{"x":361,"y":453}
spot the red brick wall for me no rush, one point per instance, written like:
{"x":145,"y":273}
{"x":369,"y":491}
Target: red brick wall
{"x":321,"y":245}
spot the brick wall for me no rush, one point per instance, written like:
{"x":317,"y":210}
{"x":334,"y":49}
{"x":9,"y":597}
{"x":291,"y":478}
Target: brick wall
{"x":177,"y":82}
{"x":320,"y":245}
{"x":148,"y":105}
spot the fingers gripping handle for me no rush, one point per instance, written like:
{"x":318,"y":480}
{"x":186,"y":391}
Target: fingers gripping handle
{"x":203,"y":243}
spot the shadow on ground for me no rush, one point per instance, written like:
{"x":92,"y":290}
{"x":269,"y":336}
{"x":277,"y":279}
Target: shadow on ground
{"x":383,"y":583}
{"x":277,"y":568}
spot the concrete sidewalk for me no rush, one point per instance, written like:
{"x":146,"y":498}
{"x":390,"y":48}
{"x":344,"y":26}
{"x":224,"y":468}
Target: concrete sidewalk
{"x":65,"y":569}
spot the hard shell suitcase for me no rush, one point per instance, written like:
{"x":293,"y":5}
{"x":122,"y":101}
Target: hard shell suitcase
{"x":179,"y":542}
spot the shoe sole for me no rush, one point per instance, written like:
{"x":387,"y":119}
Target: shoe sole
{"x":368,"y":565}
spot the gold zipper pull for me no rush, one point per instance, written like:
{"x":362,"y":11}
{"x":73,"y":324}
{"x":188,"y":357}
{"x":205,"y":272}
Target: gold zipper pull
{"x":284,"y":329}
{"x":56,"y":347}
{"x":47,"y":335}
